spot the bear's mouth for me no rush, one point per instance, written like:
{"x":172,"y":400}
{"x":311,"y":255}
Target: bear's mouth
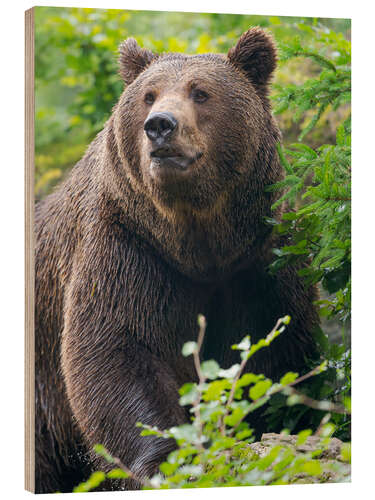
{"x":169,"y":158}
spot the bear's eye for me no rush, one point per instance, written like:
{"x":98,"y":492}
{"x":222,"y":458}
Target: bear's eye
{"x":199,"y":95}
{"x":149,"y":98}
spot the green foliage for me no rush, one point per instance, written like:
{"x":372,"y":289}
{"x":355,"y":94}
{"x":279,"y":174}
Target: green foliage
{"x":332,"y":87}
{"x":214,"y":448}
{"x":93,"y":482}
{"x":316,"y":192}
{"x":318,"y":181}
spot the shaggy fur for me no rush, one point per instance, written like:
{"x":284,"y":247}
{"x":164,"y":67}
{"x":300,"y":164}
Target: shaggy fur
{"x":127,"y":257}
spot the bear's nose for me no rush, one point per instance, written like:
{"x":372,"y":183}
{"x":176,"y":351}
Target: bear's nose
{"x":160,"y":126}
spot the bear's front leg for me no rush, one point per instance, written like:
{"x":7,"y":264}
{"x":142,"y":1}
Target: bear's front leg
{"x":116,"y":375}
{"x":112,"y":384}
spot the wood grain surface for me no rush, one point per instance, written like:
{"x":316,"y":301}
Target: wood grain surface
{"x":29,"y":254}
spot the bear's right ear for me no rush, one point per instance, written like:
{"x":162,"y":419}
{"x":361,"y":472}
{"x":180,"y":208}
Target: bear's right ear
{"x":133,"y":60}
{"x":255,"y":54}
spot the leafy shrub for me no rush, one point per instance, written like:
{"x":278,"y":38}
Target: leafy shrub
{"x":317,"y":190}
{"x":320,"y":227}
{"x":213,"y":449}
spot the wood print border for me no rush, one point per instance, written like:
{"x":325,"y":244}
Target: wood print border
{"x":29,"y":254}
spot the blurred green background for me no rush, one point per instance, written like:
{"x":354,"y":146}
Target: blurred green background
{"x":77,"y":80}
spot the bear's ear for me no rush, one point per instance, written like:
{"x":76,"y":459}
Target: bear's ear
{"x":133,"y":60}
{"x":255,"y":54}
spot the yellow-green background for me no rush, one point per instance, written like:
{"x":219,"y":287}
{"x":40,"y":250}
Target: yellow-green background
{"x":77,"y":81}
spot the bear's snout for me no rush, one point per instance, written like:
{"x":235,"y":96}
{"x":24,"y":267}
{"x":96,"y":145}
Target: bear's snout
{"x":160,"y":126}
{"x":167,"y":153}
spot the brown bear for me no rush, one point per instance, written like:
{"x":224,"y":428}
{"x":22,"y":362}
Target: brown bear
{"x":162,"y":219}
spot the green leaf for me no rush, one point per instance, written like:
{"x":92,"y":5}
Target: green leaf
{"x":302,"y":436}
{"x":93,"y":482}
{"x":189,"y":394}
{"x":100,"y":450}
{"x":191,"y":470}
{"x":230,"y":372}
{"x":245,"y":355}
{"x":243,"y":434}
{"x":259,"y":389}
{"x":210,"y":369}
{"x":168,"y":469}
{"x":289,"y":216}
{"x":311,"y":154}
{"x":244,"y":345}
{"x":288,"y":378}
{"x":235,"y":417}
{"x":247,"y":379}
{"x":348,"y":404}
{"x":327,"y":430}
{"x":211,"y":411}
{"x":268,"y":460}
{"x":215,"y":389}
{"x":149,"y":432}
{"x":117,"y":474}
{"x":294,"y":399}
{"x":186,"y":388}
{"x":223,"y":443}
{"x":284,"y":162}
{"x":312,"y":468}
{"x":185,"y":432}
{"x":346,"y":452}
{"x":189,"y":348}
{"x":286,"y":319}
{"x":321,"y":338}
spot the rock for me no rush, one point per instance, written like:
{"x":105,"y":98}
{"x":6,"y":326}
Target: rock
{"x":334,"y":469}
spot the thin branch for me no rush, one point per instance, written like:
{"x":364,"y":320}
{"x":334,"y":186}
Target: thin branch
{"x":279,"y":322}
{"x":298,"y":380}
{"x":318,"y":58}
{"x":324,"y":421}
{"x":143,"y":481}
{"x":338,"y":198}
{"x":231,"y":396}
{"x":317,"y":405}
{"x":202,"y":330}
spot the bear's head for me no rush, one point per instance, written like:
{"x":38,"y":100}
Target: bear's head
{"x":189,"y":128}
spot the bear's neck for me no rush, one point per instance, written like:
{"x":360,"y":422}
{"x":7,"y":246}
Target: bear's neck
{"x":206,"y":246}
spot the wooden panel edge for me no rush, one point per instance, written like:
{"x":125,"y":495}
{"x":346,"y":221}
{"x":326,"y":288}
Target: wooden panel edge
{"x":29,"y":254}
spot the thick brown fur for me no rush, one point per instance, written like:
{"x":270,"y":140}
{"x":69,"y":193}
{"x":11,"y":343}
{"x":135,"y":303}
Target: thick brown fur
{"x":126,"y":259}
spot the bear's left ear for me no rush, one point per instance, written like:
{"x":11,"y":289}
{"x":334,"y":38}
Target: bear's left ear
{"x":255,"y":54}
{"x":133,"y":60}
